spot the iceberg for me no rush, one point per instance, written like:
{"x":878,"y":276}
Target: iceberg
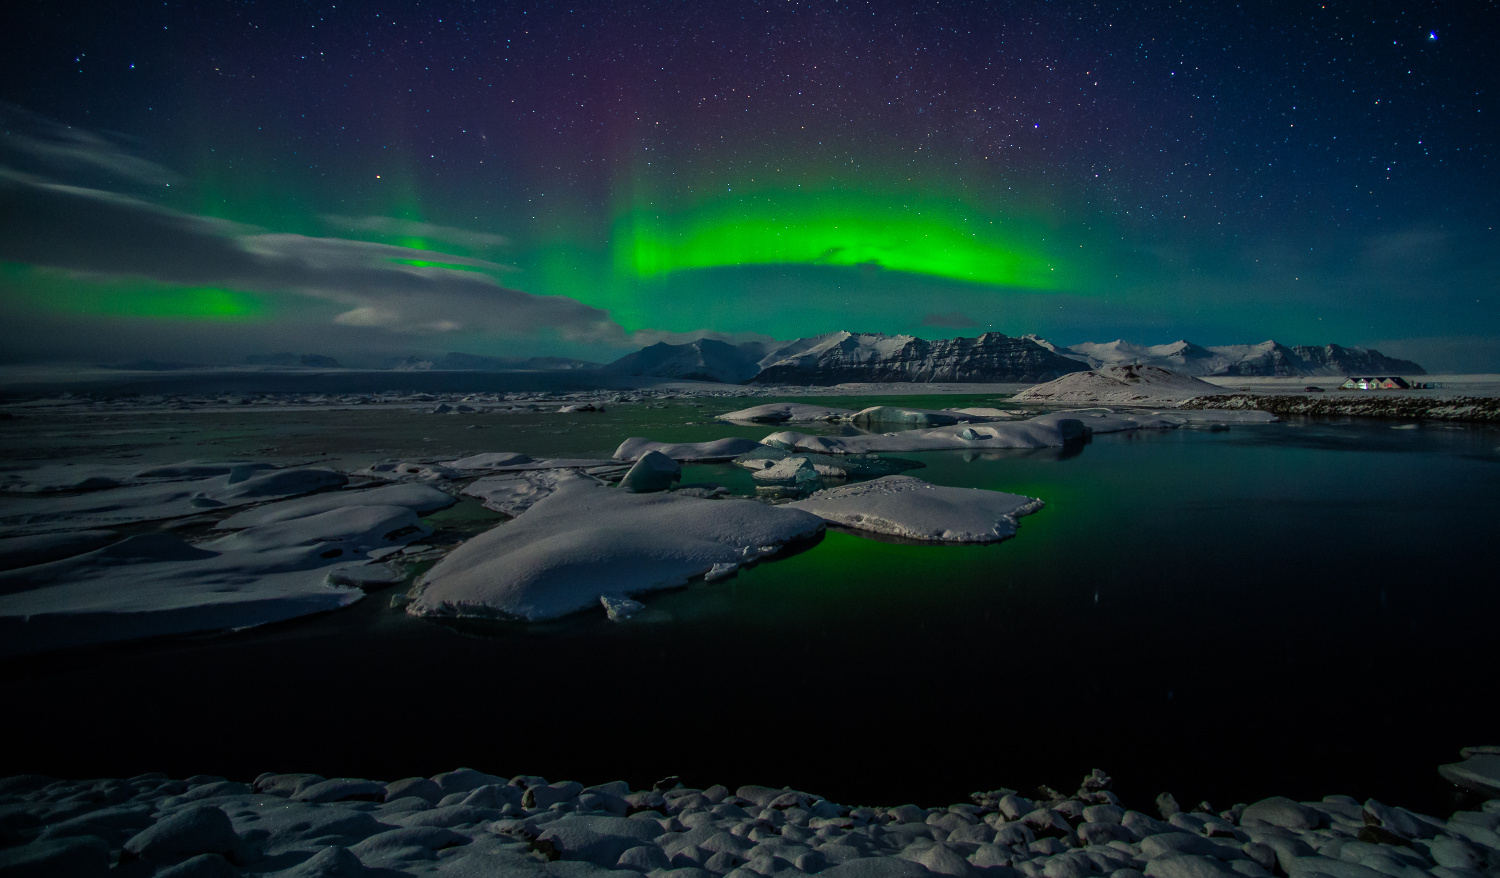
{"x":903,"y":506}
{"x":586,"y":541}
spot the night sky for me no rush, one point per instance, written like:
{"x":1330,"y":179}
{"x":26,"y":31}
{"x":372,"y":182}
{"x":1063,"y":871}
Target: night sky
{"x":206,"y":181}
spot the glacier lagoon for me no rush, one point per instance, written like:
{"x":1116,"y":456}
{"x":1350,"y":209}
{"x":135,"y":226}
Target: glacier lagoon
{"x":1291,"y":608}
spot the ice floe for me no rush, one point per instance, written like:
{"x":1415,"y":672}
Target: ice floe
{"x":585,"y":541}
{"x":1119,"y":385}
{"x":1043,"y":431}
{"x":421,"y":499}
{"x":718,"y":449}
{"x":783,"y":412}
{"x":487,"y":461}
{"x":513,"y":494}
{"x":840,"y":467}
{"x":278,"y":567}
{"x":162,"y":500}
{"x":468,"y":822}
{"x":903,"y":506}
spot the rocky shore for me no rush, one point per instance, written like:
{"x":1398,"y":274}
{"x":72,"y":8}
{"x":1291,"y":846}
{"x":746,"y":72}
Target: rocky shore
{"x":467,"y":822}
{"x":1480,"y":409}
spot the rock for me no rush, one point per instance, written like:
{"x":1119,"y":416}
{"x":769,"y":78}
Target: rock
{"x":1166,"y":805}
{"x":1188,"y":866}
{"x":421,"y":787}
{"x":1014,"y":807}
{"x":1104,"y":813}
{"x":1455,"y":853}
{"x":1104,"y":833}
{"x":1479,"y":772}
{"x":1283,"y":812}
{"x":653,"y":471}
{"x":1174,"y":843}
{"x":1397,"y":820}
{"x":343,"y":789}
{"x":201,"y":829}
{"x":81,"y":857}
{"x":877,"y":867}
{"x":464,"y":780}
{"x":201,"y":866}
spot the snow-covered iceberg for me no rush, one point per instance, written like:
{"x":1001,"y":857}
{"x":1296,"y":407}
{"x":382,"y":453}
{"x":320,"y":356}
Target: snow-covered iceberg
{"x":902,"y":506}
{"x":585,"y":541}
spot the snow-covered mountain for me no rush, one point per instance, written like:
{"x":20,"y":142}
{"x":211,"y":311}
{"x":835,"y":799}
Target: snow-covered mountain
{"x":846,"y":356}
{"x":1269,"y":358}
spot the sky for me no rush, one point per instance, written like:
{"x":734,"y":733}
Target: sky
{"x":202,"y":182}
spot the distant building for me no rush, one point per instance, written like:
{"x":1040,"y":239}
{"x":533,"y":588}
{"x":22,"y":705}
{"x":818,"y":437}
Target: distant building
{"x":1390,"y":382}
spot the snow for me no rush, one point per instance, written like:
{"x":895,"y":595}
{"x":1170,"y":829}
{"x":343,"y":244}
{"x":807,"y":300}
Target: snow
{"x":1050,"y":430}
{"x":718,"y":449}
{"x":782,"y":412}
{"x":585,"y":541}
{"x":421,"y":499}
{"x":903,"y":506}
{"x":1119,"y":385}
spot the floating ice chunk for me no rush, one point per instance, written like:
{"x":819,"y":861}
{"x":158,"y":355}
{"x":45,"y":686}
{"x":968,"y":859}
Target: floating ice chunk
{"x":24,"y":551}
{"x":880,"y":416}
{"x":515,"y":493}
{"x":620,"y":608}
{"x":156,"y":584}
{"x":796,"y":470}
{"x":1058,"y":428}
{"x":782,"y":412}
{"x":845,"y":466}
{"x":161,"y":500}
{"x":581,"y":407}
{"x":586,"y":540}
{"x":906,"y":507}
{"x":989,"y":414}
{"x":1479,"y":772}
{"x":353,"y":529}
{"x":718,"y":449}
{"x":720,"y":571}
{"x":409,"y":471}
{"x":487,"y":461}
{"x":653,"y":471}
{"x":421,"y":499}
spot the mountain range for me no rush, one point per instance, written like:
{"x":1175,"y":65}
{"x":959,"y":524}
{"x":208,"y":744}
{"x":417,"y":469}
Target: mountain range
{"x":839,"y":357}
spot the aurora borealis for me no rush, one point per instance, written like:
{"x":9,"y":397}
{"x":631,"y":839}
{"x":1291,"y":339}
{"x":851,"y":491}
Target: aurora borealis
{"x":206,"y":182}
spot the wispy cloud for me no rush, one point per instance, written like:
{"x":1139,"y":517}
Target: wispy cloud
{"x":31,"y":142}
{"x":407,"y":229}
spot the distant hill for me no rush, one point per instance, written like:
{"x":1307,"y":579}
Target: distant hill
{"x":703,"y":360}
{"x":459,"y":362}
{"x":310,"y":361}
{"x":1269,"y":358}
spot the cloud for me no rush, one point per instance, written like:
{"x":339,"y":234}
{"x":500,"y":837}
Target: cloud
{"x":399,"y":228}
{"x":34,"y":143}
{"x":91,"y":231}
{"x":951,"y":320}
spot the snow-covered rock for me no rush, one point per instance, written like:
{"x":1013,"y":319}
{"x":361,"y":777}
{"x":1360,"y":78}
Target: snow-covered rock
{"x":906,"y":507}
{"x":839,"y":357}
{"x":1119,"y":385}
{"x":585,"y":541}
{"x":718,"y":449}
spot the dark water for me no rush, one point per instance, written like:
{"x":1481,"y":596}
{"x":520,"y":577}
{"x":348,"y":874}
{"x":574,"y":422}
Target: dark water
{"x":1298,"y":609}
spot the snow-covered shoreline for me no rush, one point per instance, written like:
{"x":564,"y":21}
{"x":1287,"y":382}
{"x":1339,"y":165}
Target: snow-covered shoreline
{"x":467,"y":822}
